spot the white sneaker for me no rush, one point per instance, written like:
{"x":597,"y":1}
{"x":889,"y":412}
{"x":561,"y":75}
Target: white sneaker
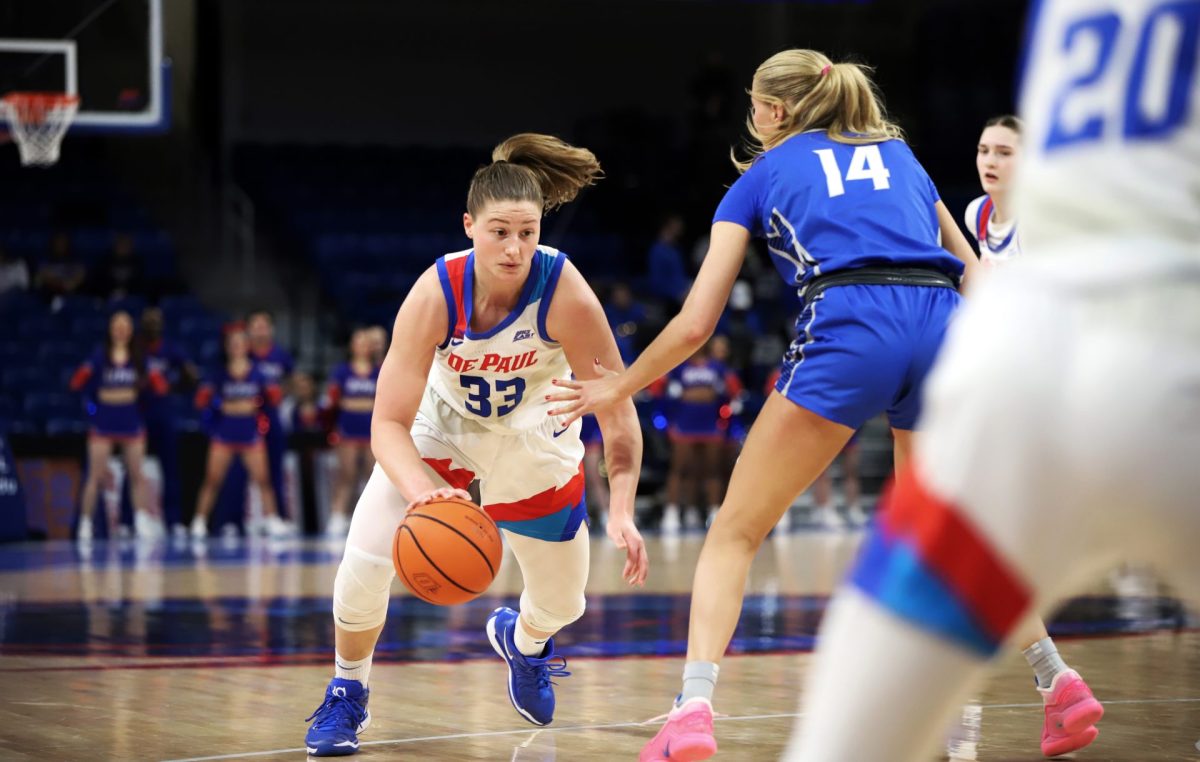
{"x":199,"y":528}
{"x":85,"y":532}
{"x":691,"y":520}
{"x":337,"y":526}
{"x":145,"y":526}
{"x":670,"y":520}
{"x":277,"y":527}
{"x":829,"y":518}
{"x":857,"y":515}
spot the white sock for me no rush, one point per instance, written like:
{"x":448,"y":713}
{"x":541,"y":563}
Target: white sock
{"x":348,"y":669}
{"x":526,"y":643}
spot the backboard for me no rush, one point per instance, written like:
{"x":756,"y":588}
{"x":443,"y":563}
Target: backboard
{"x":108,"y":52}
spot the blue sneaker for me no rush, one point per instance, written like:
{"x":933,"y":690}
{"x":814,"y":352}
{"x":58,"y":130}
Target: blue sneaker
{"x":338,"y":721}
{"x":529,"y":685}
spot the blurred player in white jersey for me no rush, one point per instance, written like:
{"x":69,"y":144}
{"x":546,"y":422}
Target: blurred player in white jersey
{"x":1061,"y":427}
{"x":991,"y":218}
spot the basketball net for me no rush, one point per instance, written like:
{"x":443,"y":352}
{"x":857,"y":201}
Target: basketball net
{"x":38,"y":122}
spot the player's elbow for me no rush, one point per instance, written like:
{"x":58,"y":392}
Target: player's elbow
{"x":697,"y":329}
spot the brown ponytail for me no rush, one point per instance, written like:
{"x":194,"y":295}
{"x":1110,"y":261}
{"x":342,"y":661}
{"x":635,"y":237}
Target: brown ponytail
{"x":533,"y":167}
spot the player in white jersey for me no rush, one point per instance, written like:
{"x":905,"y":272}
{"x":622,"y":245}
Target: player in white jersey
{"x":462,"y":396}
{"x":992,"y":221}
{"x":990,"y":218}
{"x":1060,"y":432}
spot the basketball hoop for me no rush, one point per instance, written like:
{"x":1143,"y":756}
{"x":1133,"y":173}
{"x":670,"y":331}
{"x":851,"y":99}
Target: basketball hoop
{"x":38,"y":122}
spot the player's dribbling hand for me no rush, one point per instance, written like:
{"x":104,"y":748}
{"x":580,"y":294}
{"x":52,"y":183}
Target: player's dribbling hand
{"x":583,"y":397}
{"x":441,"y":493}
{"x":626,"y":536}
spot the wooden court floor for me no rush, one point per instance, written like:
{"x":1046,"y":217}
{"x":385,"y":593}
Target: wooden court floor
{"x":220,"y":651}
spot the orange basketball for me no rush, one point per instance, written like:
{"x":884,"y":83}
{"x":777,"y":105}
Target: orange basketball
{"x":447,"y":552}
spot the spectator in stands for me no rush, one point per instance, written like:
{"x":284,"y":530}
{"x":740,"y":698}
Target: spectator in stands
{"x":666,"y":274}
{"x":14,"y":273}
{"x":379,"y":343}
{"x":234,"y":400}
{"x":120,"y":273}
{"x":699,"y":391}
{"x":112,"y":380}
{"x":60,"y":274}
{"x":300,"y":410}
{"x":169,"y":361}
{"x":626,"y":318}
{"x":276,"y":366}
{"x":351,"y":398}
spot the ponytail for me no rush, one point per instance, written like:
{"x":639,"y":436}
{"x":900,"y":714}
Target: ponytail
{"x":533,"y":167}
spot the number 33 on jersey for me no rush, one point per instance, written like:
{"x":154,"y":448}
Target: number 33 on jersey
{"x":499,"y":377}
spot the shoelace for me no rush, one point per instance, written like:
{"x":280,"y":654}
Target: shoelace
{"x":555,"y":666}
{"x":328,"y":716}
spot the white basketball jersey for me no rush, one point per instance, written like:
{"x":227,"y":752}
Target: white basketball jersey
{"x":500,"y":377}
{"x":1111,"y":102}
{"x":995,"y":246}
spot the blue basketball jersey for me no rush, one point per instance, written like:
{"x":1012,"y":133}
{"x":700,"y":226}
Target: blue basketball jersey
{"x":826,"y":207}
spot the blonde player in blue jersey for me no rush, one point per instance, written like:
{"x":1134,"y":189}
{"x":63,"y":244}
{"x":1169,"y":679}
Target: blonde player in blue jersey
{"x":855,"y":224}
{"x":1060,"y":432}
{"x":462,"y":395}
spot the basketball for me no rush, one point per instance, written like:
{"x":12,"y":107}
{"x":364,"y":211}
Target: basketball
{"x":447,"y":552}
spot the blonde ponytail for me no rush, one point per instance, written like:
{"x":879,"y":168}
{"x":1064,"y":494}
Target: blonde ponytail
{"x":817,"y":94}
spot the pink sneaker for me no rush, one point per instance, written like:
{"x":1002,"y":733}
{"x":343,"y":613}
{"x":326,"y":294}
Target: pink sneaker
{"x":1071,"y":714}
{"x":687,"y":736}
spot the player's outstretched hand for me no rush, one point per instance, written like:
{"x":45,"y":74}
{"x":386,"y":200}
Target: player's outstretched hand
{"x":626,"y":536}
{"x":441,"y":493}
{"x":583,"y":397}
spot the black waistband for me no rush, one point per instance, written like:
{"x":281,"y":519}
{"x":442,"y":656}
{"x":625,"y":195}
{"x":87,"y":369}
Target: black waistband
{"x":879,"y":276}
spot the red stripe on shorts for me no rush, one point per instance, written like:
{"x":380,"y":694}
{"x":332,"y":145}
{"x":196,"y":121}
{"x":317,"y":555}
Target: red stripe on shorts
{"x":956,"y":552}
{"x":542,"y":504}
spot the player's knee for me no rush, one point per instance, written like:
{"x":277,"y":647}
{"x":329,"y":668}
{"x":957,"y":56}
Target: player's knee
{"x":360,"y":590}
{"x":552,"y":616}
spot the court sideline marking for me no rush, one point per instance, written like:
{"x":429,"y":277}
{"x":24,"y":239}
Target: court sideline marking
{"x":616,"y":725}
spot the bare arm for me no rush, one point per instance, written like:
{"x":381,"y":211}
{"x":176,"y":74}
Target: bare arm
{"x":420,"y":327}
{"x":577,"y":321}
{"x":956,"y":243}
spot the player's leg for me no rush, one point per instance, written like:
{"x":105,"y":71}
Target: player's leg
{"x":361,"y":593}
{"x":98,"y":450}
{"x":534,"y":490}
{"x":759,"y":492}
{"x":554,"y":575}
{"x":219,"y":457}
{"x":979,"y":530}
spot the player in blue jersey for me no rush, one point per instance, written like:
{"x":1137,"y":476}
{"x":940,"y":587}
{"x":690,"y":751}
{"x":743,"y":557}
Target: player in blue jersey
{"x":1059,"y":437}
{"x":462,"y":396}
{"x":854,"y":223}
{"x":112,"y":380}
{"x":235,"y":399}
{"x":350,"y":397}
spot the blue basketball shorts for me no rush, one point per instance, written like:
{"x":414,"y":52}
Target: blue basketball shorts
{"x":862,"y":350}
